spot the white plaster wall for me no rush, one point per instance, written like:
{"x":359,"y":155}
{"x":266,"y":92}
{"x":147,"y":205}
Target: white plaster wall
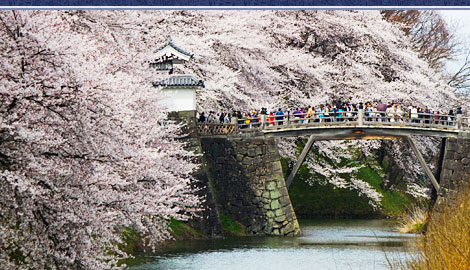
{"x":179,"y":99}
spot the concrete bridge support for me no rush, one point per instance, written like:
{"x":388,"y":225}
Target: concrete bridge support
{"x":455,"y":167}
{"x":249,"y":186}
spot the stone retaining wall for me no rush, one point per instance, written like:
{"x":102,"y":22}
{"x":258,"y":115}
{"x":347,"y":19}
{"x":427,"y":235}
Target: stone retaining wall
{"x":456,"y":165}
{"x":247,"y":179}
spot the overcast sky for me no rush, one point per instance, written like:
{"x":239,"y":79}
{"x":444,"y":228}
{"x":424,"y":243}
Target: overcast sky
{"x":461,"y":20}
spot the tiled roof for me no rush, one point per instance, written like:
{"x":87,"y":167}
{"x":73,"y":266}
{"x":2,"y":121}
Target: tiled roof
{"x":169,"y":42}
{"x":180,"y":80}
{"x":162,"y":65}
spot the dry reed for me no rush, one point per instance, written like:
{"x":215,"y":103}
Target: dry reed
{"x":446,"y":244}
{"x":414,"y":221}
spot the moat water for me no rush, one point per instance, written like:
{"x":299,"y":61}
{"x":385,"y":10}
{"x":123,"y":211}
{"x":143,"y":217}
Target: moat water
{"x":325,"y":244}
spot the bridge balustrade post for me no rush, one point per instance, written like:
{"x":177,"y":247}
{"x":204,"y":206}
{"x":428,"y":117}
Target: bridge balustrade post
{"x":360,"y":117}
{"x":263,"y":121}
{"x":235,"y":121}
{"x":459,"y":121}
{"x":288,"y":117}
{"x":459,"y":118}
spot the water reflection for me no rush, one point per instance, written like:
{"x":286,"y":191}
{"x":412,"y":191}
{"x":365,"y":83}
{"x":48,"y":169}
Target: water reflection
{"x":325,"y":244}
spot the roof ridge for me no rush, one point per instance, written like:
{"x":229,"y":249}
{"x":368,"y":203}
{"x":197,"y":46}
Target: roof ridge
{"x":169,"y":42}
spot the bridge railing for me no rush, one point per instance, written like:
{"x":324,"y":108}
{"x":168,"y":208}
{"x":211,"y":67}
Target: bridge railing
{"x":217,"y":129}
{"x":297,"y":119}
{"x":465,"y":123}
{"x":345,"y":118}
{"x":424,"y":120}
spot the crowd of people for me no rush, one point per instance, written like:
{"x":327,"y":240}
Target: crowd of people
{"x":332,"y":113}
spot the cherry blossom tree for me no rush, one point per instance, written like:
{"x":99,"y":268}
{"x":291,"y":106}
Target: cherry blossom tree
{"x":289,"y":59}
{"x":84,"y":149}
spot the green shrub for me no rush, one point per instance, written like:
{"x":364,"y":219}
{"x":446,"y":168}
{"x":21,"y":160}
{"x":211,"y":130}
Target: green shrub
{"x":231,"y":227}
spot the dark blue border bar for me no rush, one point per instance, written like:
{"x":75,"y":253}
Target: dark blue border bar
{"x":228,"y":3}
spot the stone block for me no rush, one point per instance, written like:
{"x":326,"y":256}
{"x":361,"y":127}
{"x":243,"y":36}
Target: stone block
{"x":280,"y":219}
{"x":268,"y":228}
{"x":275,"y":194}
{"x":240,"y":150}
{"x":258,"y":161}
{"x":284,"y":201}
{"x":284,"y":192}
{"x":266,"y":194}
{"x":279,"y":212}
{"x":290,"y":227}
{"x":251,"y":152}
{"x":275,"y":204}
{"x":457,"y":166}
{"x":257,"y":141}
{"x":277,"y":166}
{"x":270,"y":214}
{"x":263,"y":149}
{"x":269,"y":167}
{"x":272,"y":148}
{"x":451,"y":146}
{"x":290,"y":216}
{"x":272,"y":185}
{"x":449,"y":157}
{"x":466,"y":148}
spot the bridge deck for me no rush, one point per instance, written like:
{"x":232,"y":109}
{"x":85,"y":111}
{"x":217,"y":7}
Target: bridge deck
{"x":360,"y":126}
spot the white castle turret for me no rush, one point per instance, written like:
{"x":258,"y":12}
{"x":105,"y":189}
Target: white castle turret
{"x":179,"y":90}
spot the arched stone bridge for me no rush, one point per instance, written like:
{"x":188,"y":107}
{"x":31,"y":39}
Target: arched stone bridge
{"x":243,"y":163}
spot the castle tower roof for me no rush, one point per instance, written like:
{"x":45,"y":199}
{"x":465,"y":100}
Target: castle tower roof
{"x":170,"y":52}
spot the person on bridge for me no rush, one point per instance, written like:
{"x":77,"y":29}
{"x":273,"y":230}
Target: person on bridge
{"x":451,"y":118}
{"x":271,"y":119}
{"x":302,"y":116}
{"x":427,"y":115}
{"x":399,"y":114}
{"x":227,"y":118}
{"x":414,"y":114}
{"x":279,"y":117}
{"x":321,"y":115}
{"x":391,"y":113}
{"x":202,"y":118}
{"x":340,"y":114}
{"x":296,"y":115}
{"x":310,"y":114}
{"x":326,"y":111}
{"x":382,"y":108}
